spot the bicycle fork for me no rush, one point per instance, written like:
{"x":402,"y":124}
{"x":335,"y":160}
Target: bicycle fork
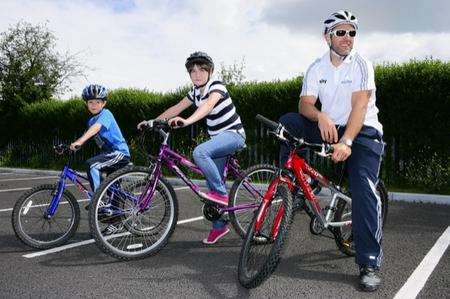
{"x":268,"y":199}
{"x":51,"y":209}
{"x":146,"y":197}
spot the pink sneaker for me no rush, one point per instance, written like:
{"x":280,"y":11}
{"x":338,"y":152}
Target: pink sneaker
{"x":215,"y":235}
{"x":217,"y":198}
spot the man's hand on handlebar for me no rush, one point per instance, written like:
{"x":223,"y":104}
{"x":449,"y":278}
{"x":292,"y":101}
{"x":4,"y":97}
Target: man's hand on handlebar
{"x":341,"y":152}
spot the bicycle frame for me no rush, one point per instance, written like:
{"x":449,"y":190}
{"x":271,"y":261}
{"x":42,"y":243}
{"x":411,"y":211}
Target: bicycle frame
{"x":66,"y":174}
{"x":297,"y":166}
{"x":172,"y":160}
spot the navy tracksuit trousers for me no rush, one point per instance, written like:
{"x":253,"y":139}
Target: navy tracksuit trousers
{"x":363,"y":167}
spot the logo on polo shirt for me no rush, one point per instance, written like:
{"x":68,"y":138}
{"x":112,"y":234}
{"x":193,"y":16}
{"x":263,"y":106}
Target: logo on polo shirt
{"x":347,"y":81}
{"x":323,"y":81}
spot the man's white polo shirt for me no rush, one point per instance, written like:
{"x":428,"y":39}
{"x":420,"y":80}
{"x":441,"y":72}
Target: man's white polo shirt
{"x":334,"y":86}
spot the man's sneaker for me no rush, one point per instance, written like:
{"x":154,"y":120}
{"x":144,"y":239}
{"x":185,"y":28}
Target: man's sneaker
{"x":369,"y":280}
{"x":216,"y":197}
{"x":215,"y":234}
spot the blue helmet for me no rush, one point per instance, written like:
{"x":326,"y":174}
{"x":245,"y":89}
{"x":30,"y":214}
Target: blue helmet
{"x":94,"y":92}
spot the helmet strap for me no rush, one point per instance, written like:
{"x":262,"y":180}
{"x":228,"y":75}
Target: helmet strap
{"x":207,"y":80}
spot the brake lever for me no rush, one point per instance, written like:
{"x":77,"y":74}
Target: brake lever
{"x":326,"y":151}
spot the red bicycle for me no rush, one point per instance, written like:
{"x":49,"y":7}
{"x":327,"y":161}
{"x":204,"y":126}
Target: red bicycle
{"x":268,"y":232}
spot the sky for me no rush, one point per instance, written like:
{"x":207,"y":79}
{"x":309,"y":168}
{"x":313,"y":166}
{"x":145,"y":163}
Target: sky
{"x":144,"y":44}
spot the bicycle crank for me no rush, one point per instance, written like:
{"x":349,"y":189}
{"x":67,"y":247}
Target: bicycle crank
{"x":211,"y":212}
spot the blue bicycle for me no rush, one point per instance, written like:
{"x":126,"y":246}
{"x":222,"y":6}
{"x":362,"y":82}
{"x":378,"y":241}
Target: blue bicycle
{"x":48,"y":215}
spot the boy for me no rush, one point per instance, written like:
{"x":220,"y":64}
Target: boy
{"x":103,"y":127}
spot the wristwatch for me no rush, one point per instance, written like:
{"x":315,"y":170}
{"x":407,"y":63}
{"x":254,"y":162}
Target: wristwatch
{"x":347,"y":141}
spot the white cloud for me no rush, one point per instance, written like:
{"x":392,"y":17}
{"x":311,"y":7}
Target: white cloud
{"x":145,"y":44}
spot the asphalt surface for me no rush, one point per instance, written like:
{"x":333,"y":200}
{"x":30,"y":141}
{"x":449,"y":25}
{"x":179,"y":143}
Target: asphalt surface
{"x":311,"y":267}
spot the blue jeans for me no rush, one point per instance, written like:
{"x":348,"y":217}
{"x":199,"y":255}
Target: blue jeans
{"x":211,"y":156}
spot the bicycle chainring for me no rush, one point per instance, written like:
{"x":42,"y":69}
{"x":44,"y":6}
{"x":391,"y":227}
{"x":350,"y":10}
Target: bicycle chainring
{"x":211,"y":212}
{"x":315,"y":226}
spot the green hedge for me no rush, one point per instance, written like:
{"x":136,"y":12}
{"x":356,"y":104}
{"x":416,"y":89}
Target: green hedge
{"x":413,"y":99}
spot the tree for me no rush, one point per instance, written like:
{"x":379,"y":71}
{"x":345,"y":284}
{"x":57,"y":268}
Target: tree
{"x":233,"y":74}
{"x":30,"y":69}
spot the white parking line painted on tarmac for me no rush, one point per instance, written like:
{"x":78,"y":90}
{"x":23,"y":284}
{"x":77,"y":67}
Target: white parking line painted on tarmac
{"x":90,"y":241}
{"x":81,"y":200}
{"x":58,"y":249}
{"x":68,"y":185}
{"x":16,"y":189}
{"x":29,"y":188}
{"x":26,"y":179}
{"x":42,"y":205}
{"x":419,"y":277}
{"x":190,"y":220}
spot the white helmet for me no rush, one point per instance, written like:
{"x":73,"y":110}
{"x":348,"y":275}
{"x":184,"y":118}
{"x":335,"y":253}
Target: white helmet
{"x":340,"y":17}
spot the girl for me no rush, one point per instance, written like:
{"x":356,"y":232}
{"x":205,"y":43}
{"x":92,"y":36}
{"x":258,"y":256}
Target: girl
{"x":224,"y":127}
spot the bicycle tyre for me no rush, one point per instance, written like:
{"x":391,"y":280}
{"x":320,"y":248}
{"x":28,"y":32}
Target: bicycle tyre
{"x":260,"y":175}
{"x":343,"y":238}
{"x":152,"y":237}
{"x":49,"y":239}
{"x":250,"y":276}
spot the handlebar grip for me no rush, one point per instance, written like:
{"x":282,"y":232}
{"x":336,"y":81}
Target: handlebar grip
{"x":159,"y":122}
{"x":267,"y":122}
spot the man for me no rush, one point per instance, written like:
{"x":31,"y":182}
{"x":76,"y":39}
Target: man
{"x":344,"y":83}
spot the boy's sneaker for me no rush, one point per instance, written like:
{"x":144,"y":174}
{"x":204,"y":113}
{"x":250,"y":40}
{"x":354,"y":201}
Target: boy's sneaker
{"x":217,"y":198}
{"x":112,"y":229}
{"x":215,"y":234}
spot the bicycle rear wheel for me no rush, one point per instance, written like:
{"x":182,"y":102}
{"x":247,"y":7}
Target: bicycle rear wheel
{"x":247,"y":190}
{"x":343,"y":235}
{"x":117,"y":225}
{"x":261,"y":250}
{"x":34,"y":228}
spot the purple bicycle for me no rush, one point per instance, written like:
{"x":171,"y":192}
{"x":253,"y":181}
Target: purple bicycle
{"x":145,"y":211}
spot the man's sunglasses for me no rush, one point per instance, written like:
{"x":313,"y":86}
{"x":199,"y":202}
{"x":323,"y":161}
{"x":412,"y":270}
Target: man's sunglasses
{"x":342,"y":33}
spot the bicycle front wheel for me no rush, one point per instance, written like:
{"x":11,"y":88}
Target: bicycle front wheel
{"x":261,"y":250}
{"x":118,"y":225}
{"x":249,"y":189}
{"x":35,"y":228}
{"x":343,"y":235}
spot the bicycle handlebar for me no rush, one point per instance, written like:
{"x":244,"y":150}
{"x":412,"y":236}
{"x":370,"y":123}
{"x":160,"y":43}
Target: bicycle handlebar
{"x":156,"y":124}
{"x":62,"y":149}
{"x":322,"y":149}
{"x":267,"y":122}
